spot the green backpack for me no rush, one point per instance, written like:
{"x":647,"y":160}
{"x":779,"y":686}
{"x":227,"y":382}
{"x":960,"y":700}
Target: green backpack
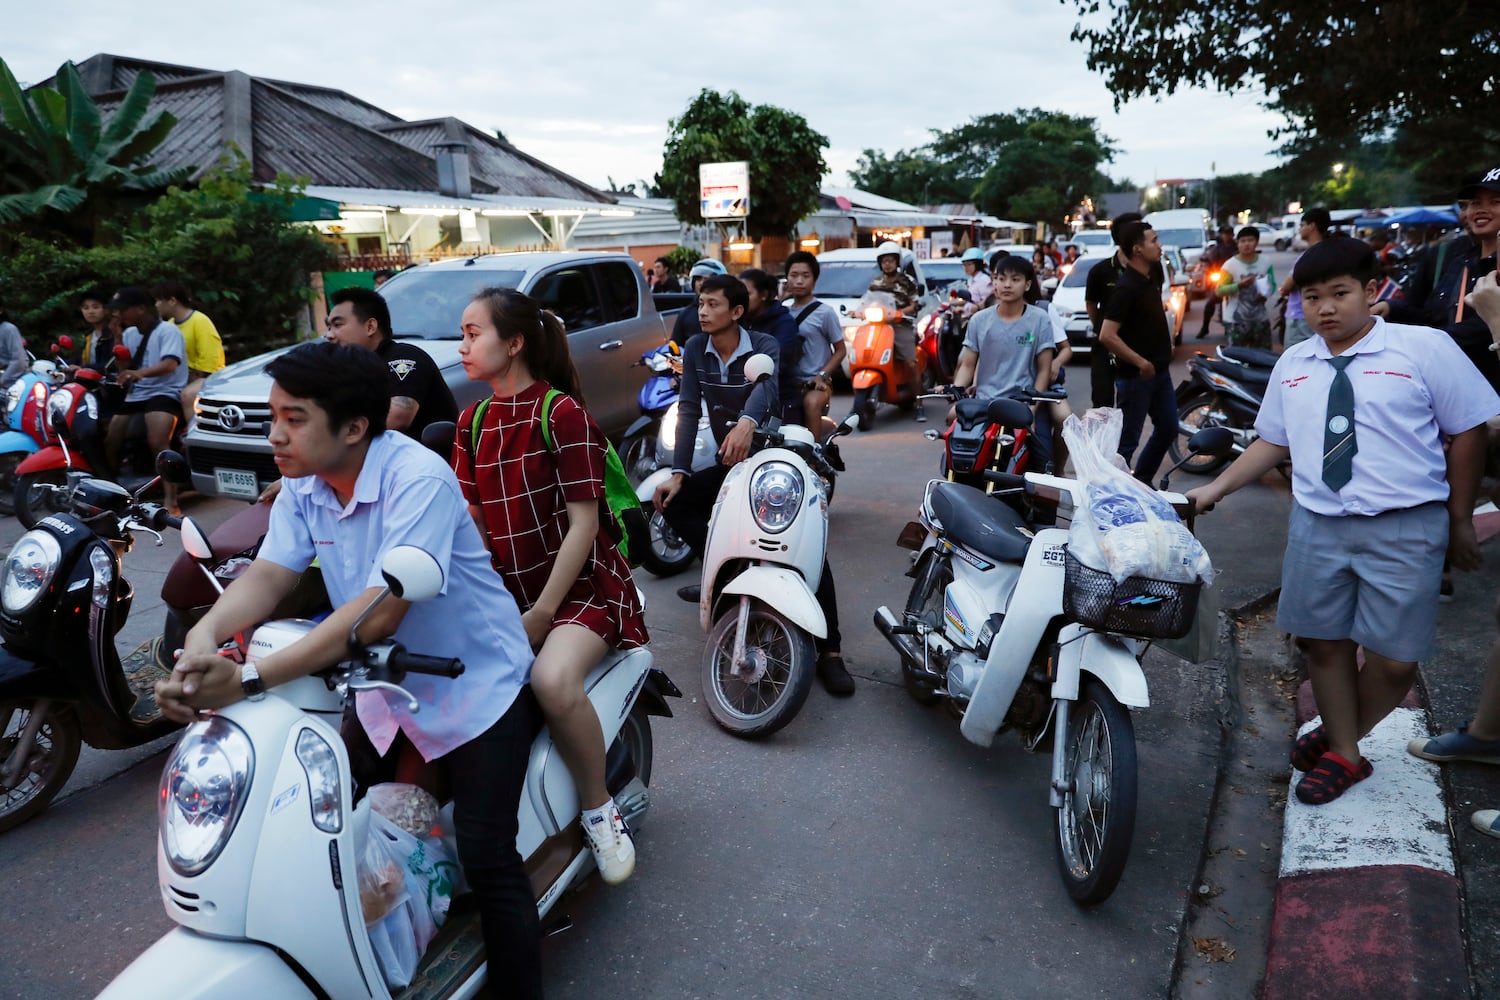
{"x":626,"y":524}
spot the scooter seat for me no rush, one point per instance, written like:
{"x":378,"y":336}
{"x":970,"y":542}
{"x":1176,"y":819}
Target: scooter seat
{"x":980,"y":522}
{"x":1251,"y":356}
{"x":1257,"y":378}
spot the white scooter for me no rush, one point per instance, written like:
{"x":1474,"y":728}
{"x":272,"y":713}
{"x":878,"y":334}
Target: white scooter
{"x":1011,"y":631}
{"x":761,"y":564}
{"x":260,"y":837}
{"x":668,"y":555}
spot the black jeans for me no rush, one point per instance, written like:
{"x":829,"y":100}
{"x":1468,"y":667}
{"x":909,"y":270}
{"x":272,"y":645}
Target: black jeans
{"x":1138,"y":398}
{"x":487,"y":776}
{"x":688,"y":514}
{"x":1101,"y":376}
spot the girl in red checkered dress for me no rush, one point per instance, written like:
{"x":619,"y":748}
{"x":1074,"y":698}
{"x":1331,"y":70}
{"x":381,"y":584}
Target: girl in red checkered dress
{"x":538,"y":510}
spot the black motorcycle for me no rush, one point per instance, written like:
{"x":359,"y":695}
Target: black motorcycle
{"x":1225,"y":390}
{"x":63,"y":598}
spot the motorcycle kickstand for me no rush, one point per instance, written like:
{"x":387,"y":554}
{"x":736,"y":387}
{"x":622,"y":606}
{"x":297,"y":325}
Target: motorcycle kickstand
{"x":1060,"y":782}
{"x":11,"y":770}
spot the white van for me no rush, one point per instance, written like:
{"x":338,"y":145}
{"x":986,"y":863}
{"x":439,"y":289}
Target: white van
{"x":1187,"y":229}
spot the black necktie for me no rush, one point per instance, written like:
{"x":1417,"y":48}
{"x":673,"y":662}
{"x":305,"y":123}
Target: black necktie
{"x":1339,"y":446}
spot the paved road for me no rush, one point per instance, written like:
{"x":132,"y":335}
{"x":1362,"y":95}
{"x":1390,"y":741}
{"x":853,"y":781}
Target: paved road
{"x":865,"y":849}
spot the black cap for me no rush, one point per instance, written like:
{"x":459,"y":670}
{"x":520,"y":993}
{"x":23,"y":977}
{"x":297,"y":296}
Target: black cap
{"x":1489,"y":180}
{"x":131,"y":295}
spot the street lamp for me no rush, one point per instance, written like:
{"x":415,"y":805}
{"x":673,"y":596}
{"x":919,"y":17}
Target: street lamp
{"x":1338,"y":168}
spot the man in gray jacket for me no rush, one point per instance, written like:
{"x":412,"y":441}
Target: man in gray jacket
{"x":12,"y":350}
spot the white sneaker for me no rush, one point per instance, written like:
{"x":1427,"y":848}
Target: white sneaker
{"x":609,"y":838}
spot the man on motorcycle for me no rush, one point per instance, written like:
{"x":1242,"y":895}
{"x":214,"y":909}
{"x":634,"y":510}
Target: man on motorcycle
{"x":895,"y":283}
{"x":687,"y":319}
{"x":153,"y":382}
{"x":353,"y":491}
{"x":713,"y":374}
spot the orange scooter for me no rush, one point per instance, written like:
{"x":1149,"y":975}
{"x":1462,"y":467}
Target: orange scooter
{"x":872,"y":361}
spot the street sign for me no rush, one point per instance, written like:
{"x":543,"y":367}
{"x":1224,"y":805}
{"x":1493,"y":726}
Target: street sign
{"x":724,"y":190}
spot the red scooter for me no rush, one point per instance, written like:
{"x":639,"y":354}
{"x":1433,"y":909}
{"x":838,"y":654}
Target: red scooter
{"x":988,"y":435}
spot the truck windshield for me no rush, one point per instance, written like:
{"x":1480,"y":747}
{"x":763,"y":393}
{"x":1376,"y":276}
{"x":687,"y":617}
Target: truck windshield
{"x":846,"y":279}
{"x":1180,"y":237}
{"x":428,"y":303}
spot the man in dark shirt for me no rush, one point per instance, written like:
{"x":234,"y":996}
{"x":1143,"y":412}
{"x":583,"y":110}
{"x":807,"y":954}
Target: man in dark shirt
{"x":1100,"y":285}
{"x":419,"y":395}
{"x":1136,"y":332}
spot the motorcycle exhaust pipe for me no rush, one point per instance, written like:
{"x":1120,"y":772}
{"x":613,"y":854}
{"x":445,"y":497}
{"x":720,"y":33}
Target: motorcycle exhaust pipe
{"x":904,"y":638}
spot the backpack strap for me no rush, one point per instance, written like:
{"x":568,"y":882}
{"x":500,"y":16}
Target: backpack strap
{"x":807,"y":312}
{"x":472,"y":445}
{"x":548,"y":402}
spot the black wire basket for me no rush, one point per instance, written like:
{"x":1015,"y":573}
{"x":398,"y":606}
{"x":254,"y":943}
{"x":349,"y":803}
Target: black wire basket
{"x":1140,"y":606}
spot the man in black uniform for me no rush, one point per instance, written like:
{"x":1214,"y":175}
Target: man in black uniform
{"x":1097,"y":289}
{"x":419,"y":396}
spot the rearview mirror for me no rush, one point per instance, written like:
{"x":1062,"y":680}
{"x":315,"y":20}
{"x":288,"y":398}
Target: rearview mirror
{"x":439,"y":437}
{"x":1216,"y":441}
{"x":413,"y":574}
{"x":759,"y":367}
{"x":173,"y":468}
{"x":195,"y":542}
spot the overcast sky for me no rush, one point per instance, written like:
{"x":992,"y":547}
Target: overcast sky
{"x":589,"y":85}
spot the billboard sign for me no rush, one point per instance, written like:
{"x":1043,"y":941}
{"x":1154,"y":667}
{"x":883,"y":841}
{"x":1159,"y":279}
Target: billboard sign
{"x":724,"y":190}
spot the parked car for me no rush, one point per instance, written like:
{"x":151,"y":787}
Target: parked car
{"x":942,"y":273}
{"x":1067,"y":305}
{"x":1174,"y":294}
{"x":1183,"y":228}
{"x":601,"y":298}
{"x":1092,"y":242}
{"x":845,"y":275}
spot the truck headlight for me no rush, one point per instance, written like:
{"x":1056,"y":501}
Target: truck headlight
{"x":775,"y":496}
{"x":29,"y":570}
{"x":203,"y":791}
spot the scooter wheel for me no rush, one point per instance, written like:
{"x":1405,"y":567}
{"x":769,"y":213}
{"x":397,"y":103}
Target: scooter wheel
{"x":8,"y":463}
{"x":864,"y":407}
{"x":666,"y":555}
{"x":763,"y":694}
{"x":1096,"y":820}
{"x":1194,"y":413}
{"x":54,"y":752}
{"x":32,"y":502}
{"x":926,"y":602}
{"x":638,"y":455}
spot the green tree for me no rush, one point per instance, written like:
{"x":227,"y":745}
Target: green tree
{"x":785,"y":156}
{"x":64,"y":171}
{"x":1318,"y":61}
{"x":912,"y":176}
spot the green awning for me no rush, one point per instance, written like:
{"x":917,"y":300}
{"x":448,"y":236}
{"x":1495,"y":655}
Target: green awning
{"x":304,"y":208}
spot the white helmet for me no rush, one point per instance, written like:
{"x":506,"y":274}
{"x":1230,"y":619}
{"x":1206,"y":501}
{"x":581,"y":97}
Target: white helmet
{"x":888,"y":248}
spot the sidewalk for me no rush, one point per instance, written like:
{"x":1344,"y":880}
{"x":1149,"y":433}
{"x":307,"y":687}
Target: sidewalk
{"x":1377,"y":890}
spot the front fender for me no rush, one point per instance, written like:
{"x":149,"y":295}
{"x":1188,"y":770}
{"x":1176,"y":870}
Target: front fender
{"x":784,"y":591}
{"x":643,"y":422}
{"x":186,"y":965}
{"x":16,"y":441}
{"x":647,"y":489}
{"x":866,"y":377}
{"x":1110,"y":658}
{"x":23,"y":680}
{"x":49,"y":458}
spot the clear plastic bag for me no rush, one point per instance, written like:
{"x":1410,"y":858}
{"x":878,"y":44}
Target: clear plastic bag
{"x":406,"y":886}
{"x":1120,"y":525}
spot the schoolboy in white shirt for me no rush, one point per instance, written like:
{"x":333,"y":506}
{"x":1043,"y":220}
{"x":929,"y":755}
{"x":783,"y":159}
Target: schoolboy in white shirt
{"x":1362,"y":409}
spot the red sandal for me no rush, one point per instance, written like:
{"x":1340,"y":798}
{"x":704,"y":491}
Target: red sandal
{"x":1331,"y":778}
{"x":1309,"y":749}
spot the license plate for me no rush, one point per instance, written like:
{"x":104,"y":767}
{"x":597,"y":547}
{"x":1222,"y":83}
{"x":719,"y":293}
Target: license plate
{"x":237,"y":483}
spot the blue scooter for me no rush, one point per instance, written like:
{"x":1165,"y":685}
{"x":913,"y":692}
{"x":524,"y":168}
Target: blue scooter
{"x":22,"y":434}
{"x":638,"y":447}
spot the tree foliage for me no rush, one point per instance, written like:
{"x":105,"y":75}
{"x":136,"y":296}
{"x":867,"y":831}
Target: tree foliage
{"x":1341,"y":71}
{"x":784,"y":152}
{"x":63,"y":168}
{"x":233,"y":246}
{"x":1028,"y":164}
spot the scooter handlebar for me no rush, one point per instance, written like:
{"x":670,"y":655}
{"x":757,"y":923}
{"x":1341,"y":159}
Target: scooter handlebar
{"x":416,"y":663}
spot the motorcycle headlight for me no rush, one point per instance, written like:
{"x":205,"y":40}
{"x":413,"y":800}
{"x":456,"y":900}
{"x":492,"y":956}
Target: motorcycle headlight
{"x":203,"y":791}
{"x":667,"y":435}
{"x":13,"y":395}
{"x":775,"y":496}
{"x":321,"y":766}
{"x":29,"y":570}
{"x":104,"y":575}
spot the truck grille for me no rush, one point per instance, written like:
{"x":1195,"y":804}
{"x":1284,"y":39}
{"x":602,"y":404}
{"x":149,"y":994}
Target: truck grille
{"x":229,"y":417}
{"x":204,"y":460}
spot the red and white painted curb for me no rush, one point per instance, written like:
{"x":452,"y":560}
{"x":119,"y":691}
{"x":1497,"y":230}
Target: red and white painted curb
{"x":1368,"y":902}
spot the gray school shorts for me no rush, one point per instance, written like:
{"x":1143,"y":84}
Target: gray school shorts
{"x":1371,"y":579}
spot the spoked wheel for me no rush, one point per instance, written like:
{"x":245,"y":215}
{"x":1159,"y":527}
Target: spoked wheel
{"x":864,"y":407}
{"x":667,"y":555}
{"x":8,"y":463}
{"x":1194,"y":415}
{"x":1096,"y":820}
{"x":926,"y":603}
{"x":47,"y":766}
{"x":638,"y":455}
{"x":764,"y":692}
{"x":33,"y":500}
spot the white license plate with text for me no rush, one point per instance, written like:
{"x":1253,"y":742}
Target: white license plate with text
{"x":237,"y":483}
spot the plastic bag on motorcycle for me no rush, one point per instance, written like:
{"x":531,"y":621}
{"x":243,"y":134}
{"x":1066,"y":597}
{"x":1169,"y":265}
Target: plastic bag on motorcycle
{"x":407,"y":879}
{"x":1123,"y":527}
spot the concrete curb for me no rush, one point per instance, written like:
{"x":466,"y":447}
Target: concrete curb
{"x":1368,"y":902}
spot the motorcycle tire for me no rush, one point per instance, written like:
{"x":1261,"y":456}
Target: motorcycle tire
{"x":51,"y":763}
{"x":864,"y":407}
{"x":926,"y":602}
{"x":8,"y":463}
{"x":33,"y":504}
{"x":780,"y":673}
{"x":1096,"y":821}
{"x":666,"y":555}
{"x":1193,"y":413}
{"x":635,"y":738}
{"x":638,"y":455}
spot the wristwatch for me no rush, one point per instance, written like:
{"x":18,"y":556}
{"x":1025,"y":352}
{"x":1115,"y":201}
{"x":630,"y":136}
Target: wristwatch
{"x":251,"y":684}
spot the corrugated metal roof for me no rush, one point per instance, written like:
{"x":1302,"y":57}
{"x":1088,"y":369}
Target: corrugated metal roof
{"x":197,"y":139}
{"x":346,"y":106}
{"x":494,"y":161}
{"x":402,"y":198}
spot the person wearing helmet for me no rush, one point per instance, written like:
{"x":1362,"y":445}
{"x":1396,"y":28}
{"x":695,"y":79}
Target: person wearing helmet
{"x":687,"y":319}
{"x":979,"y":279}
{"x":895,"y":283}
{"x":703,"y":269}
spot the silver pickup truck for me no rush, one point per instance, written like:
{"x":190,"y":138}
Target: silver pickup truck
{"x":601,"y":298}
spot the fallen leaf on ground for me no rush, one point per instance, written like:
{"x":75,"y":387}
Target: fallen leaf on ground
{"x":1214,"y":949}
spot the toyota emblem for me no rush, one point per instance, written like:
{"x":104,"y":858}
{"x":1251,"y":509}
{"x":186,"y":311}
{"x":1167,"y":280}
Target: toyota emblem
{"x":231,"y":417}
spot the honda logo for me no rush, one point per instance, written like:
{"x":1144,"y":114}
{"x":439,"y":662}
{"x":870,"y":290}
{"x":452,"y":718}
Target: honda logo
{"x":231,"y":417}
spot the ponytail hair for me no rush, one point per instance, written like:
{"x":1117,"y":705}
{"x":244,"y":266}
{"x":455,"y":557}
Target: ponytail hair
{"x":545,"y":348}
